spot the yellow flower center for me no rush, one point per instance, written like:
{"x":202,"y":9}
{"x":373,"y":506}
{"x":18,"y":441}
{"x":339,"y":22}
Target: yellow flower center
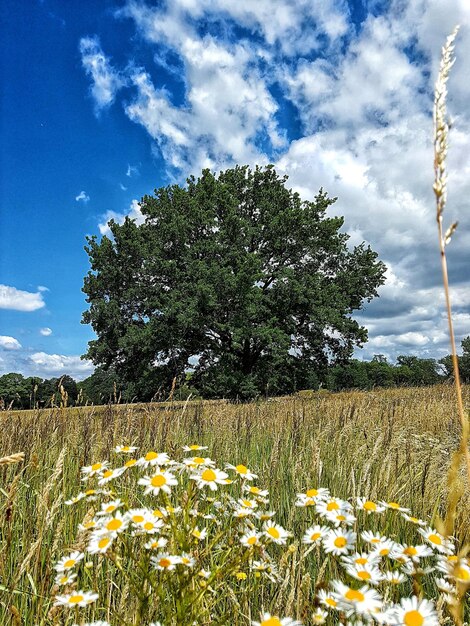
{"x":64,"y":579}
{"x":415,"y":520}
{"x":76,"y":599}
{"x":410,"y":551}
{"x":125,"y":448}
{"x":393,"y":505}
{"x":164,"y":562}
{"x":462,"y":573}
{"x":90,"y":524}
{"x":332,"y":506}
{"x":110,"y":508}
{"x":151,"y":456}
{"x":340,"y":542}
{"x":315,"y":536}
{"x":241,"y":469}
{"x":361,"y":561}
{"x":130,"y":463}
{"x":311,"y":493}
{"x":208,"y":475}
{"x":102,"y":543}
{"x":413,"y":618}
{"x":370,"y":506}
{"x":158,"y":513}
{"x":435,"y":539}
{"x":69,"y":563}
{"x":453,"y":558}
{"x":331,"y":602}
{"x":158,"y":480}
{"x":149,"y":526}
{"x":198,"y":460}
{"x":255,"y":490}
{"x":363,"y":575}
{"x":384,"y":551}
{"x":90,"y":492}
{"x":340,"y":518}
{"x":252,"y":540}
{"x":194,"y":447}
{"x":272,"y":621}
{"x":354,"y":595}
{"x":375,"y":540}
{"x":273,"y":532}
{"x":108,"y":473}
{"x":138,"y":519}
{"x":95,"y":467}
{"x":114,"y":524}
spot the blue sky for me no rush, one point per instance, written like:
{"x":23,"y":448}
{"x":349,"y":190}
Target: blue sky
{"x":104,"y":101}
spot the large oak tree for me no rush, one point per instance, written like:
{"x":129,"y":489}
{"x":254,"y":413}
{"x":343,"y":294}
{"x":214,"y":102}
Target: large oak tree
{"x":234,"y":277}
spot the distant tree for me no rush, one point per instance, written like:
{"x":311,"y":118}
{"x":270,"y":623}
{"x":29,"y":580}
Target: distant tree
{"x":234,"y":274}
{"x":464,"y":362}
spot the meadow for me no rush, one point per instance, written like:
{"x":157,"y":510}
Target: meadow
{"x":387,"y":445}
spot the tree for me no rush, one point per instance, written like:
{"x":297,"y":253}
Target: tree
{"x":234,"y":276}
{"x":464,"y":362}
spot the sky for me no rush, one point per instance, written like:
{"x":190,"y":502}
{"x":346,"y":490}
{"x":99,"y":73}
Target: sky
{"x":102,"y":102}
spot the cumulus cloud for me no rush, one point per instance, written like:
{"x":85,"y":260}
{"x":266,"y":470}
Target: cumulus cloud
{"x":9,"y":343}
{"x":45,"y":332}
{"x":43,"y":364}
{"x":134,"y":213}
{"x":18,"y":300}
{"x":106,"y":81}
{"x":82,"y":197}
{"x":361,"y":96}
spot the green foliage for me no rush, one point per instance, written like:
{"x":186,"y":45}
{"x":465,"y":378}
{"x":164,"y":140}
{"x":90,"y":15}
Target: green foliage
{"x":235,"y":275}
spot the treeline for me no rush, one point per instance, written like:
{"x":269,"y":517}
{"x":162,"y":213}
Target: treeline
{"x":102,"y":387}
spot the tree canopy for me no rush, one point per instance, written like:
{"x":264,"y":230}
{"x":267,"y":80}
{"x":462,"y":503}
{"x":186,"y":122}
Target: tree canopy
{"x":234,"y":277}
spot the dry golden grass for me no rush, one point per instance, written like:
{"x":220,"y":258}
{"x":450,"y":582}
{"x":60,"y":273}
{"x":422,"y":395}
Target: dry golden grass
{"x":387,"y":444}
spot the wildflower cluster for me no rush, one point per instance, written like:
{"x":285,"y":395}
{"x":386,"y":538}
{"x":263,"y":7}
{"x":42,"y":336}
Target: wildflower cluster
{"x":186,"y":539}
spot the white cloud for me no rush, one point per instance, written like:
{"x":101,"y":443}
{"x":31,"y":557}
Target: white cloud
{"x":83,"y":197}
{"x":45,"y":332}
{"x":18,"y":300}
{"x":134,"y":213}
{"x":122,"y":187}
{"x":9,"y":343}
{"x":44,"y":365}
{"x":132,"y":170}
{"x":106,"y":80}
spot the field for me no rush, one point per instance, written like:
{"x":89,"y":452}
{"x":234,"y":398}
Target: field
{"x":385,"y":445}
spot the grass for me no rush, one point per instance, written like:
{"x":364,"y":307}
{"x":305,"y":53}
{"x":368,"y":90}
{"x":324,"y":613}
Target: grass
{"x":356,"y":443}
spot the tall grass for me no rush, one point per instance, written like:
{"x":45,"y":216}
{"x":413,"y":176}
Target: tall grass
{"x":357,"y":443}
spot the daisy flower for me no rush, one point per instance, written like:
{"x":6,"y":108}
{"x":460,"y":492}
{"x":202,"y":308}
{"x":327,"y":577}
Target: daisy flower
{"x":319,"y":616}
{"x":436,"y":540}
{"x":63,"y":578}
{"x":198,"y":461}
{"x":99,"y":544}
{"x":326,"y":598}
{"x":275,"y":533}
{"x":340,"y":517}
{"x":339,"y":541}
{"x":199,"y":534}
{"x":130,"y":463}
{"x":137,"y":516}
{"x":369,"y":574}
{"x":384,"y":548}
{"x":264,"y":515}
{"x":272,"y":620}
{"x":113,"y":525}
{"x":188,"y":560}
{"x":160,"y":481}
{"x":256,"y":491}
{"x":156,"y":544}
{"x":405,"y":553}
{"x":165,"y":562}
{"x":242,"y":471}
{"x":315,"y":534}
{"x":413,"y":520}
{"x":363,"y":600}
{"x":460,"y":572}
{"x":250,"y":539}
{"x":194,"y":448}
{"x":324,"y":507}
{"x":110,"y":474}
{"x":75,"y":499}
{"x":67,"y":562}
{"x":85,"y":526}
{"x":77,"y":598}
{"x":151,"y":524}
{"x":97,"y":468}
{"x":210,"y":478}
{"x":415,"y":612}
{"x":394,"y":506}
{"x":109,"y":507}
{"x":125,"y":449}
{"x":248,"y":504}
{"x":395,"y":578}
{"x":357,"y":559}
{"x":369,"y":506}
{"x":154,"y":458}
{"x":374,"y":539}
